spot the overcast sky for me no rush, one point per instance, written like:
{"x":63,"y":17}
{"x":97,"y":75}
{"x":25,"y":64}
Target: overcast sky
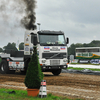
{"x":78,"y":19}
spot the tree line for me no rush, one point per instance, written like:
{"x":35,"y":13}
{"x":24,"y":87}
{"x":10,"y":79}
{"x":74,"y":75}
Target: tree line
{"x":12,"y":46}
{"x":71,"y":49}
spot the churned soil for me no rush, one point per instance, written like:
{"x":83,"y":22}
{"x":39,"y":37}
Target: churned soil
{"x":66,"y":84}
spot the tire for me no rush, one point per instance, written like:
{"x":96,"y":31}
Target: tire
{"x":56,"y":72}
{"x":4,"y":69}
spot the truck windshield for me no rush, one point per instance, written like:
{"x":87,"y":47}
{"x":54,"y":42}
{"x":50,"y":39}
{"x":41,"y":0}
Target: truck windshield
{"x":54,"y":39}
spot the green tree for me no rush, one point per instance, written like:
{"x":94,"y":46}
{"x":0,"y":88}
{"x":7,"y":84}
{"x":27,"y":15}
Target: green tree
{"x":78,"y":45}
{"x":21,"y":46}
{"x":10,"y":46}
{"x":34,"y":75}
{"x":71,"y":49}
{"x":1,"y":50}
{"x":95,"y":43}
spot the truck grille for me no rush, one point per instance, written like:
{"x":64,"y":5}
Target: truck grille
{"x":54,"y":62}
{"x":58,"y":56}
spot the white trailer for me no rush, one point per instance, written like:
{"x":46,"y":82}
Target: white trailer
{"x":51,"y":49}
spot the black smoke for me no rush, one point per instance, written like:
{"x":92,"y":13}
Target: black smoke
{"x":29,"y":19}
{"x":17,"y":9}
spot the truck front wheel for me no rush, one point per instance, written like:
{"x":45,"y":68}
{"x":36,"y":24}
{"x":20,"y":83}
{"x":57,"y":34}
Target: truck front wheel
{"x":4,"y":69}
{"x":56,"y":72}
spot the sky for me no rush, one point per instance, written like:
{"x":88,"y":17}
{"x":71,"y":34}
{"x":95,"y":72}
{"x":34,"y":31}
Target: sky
{"x":78,"y":19}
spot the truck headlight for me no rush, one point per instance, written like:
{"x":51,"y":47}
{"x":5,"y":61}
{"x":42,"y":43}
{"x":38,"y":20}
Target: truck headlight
{"x":43,"y":61}
{"x":65,"y":60}
{"x":64,"y":66}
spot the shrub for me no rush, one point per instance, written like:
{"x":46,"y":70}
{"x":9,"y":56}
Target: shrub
{"x":34,"y":75}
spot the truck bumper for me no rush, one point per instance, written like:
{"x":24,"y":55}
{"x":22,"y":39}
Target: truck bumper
{"x":48,"y":68}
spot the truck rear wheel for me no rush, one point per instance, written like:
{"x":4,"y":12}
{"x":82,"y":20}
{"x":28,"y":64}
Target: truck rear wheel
{"x":4,"y":69}
{"x":56,"y":72}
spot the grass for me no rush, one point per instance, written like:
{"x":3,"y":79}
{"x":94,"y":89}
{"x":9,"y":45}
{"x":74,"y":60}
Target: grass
{"x":85,"y":64}
{"x":22,"y":95}
{"x":83,"y":69}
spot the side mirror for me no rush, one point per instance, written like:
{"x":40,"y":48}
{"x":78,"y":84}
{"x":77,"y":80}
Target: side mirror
{"x":67,"y":40}
{"x":34,"y":39}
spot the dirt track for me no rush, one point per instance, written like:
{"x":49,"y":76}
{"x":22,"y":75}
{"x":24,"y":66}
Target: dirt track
{"x":76,"y":82}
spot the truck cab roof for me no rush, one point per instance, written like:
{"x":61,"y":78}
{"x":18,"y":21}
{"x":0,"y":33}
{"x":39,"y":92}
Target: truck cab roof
{"x":50,"y":32}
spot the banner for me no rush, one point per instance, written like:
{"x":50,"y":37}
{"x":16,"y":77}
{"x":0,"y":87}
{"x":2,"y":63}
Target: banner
{"x":95,"y":61}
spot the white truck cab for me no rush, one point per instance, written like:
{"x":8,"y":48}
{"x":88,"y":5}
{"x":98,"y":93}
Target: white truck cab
{"x":51,"y":48}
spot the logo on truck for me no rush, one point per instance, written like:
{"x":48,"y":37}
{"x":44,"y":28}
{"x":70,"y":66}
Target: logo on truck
{"x":46,"y":48}
{"x":62,"y":48}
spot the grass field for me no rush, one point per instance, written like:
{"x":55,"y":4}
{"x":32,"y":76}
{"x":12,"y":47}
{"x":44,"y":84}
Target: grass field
{"x":85,"y":64}
{"x":83,"y":69}
{"x":22,"y":95}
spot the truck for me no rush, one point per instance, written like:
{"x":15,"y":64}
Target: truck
{"x":51,"y":50}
